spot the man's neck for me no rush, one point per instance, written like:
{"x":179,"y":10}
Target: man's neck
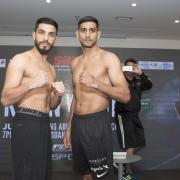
{"x":41,"y":57}
{"x":91,"y":52}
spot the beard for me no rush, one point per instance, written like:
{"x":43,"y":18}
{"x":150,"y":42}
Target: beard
{"x":44,"y":50}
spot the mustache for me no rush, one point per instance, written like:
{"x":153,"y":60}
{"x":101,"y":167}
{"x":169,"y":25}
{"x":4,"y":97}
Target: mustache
{"x":41,"y":42}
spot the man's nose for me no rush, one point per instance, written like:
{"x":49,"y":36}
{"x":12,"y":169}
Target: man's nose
{"x":87,"y":33}
{"x":45,"y":37}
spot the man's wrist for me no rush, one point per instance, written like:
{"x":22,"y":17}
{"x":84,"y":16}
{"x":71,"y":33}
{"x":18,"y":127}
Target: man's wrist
{"x":30,"y":86}
{"x":57,"y":94}
{"x":95,"y":85}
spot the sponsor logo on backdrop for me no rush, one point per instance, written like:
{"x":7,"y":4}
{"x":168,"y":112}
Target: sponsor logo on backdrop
{"x":62,"y":156}
{"x":60,"y":153}
{"x":62,"y":63}
{"x":2,"y":63}
{"x":6,"y":131}
{"x":156,"y":65}
{"x":60,"y":148}
{"x":58,"y":130}
{"x":146,"y":105}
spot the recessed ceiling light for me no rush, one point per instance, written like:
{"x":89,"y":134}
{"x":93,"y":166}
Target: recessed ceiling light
{"x":133,"y":4}
{"x":127,"y":18}
{"x":176,"y":21}
{"x":48,"y":1}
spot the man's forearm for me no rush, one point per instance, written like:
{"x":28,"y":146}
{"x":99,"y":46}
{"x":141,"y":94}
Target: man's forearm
{"x":118,"y":93}
{"x":69,"y":121}
{"x":146,"y":82}
{"x":13,"y":95}
{"x":55,"y":101}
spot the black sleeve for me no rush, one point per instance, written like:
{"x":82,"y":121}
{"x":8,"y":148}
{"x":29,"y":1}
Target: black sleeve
{"x":145,"y":82}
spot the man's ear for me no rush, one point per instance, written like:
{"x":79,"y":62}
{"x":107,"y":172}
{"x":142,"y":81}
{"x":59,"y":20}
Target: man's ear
{"x":77,"y":34}
{"x":99,"y":34}
{"x":33,"y":35}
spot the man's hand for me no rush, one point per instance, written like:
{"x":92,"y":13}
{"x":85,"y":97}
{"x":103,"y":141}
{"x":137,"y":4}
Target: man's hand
{"x":67,"y":138}
{"x":40,"y":80}
{"x":137,"y":69}
{"x":87,"y":79}
{"x":58,"y":88}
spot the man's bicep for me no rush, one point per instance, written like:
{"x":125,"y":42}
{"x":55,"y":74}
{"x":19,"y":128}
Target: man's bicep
{"x":14,"y":74}
{"x":116,"y":75}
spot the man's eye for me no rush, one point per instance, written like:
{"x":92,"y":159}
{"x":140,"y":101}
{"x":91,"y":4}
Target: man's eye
{"x":40,"y":32}
{"x":83,"y":30}
{"x":93,"y":30}
{"x":52,"y":34}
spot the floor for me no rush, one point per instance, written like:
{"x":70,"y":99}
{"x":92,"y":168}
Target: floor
{"x":145,"y":175}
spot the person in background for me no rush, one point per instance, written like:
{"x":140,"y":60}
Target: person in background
{"x":31,"y":86}
{"x":128,"y":113}
{"x":97,"y":76}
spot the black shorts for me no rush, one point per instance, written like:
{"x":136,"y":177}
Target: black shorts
{"x":92,"y":145}
{"x":133,"y":130}
{"x":31,"y":145}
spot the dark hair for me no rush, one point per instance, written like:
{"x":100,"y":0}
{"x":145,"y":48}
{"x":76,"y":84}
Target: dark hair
{"x":88,"y":19}
{"x":46,"y":20}
{"x":130,"y":60}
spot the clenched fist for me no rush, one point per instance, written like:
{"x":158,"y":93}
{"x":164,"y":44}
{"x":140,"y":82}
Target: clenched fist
{"x":58,"y":88}
{"x":87,"y":79}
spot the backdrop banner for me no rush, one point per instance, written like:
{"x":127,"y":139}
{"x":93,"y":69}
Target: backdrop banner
{"x":160,"y":113}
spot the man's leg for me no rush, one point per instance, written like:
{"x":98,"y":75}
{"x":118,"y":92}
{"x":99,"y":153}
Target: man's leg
{"x":130,"y":151}
{"x":87,"y":177}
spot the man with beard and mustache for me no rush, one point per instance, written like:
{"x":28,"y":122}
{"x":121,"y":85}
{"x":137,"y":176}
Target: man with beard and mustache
{"x":30,"y":86}
{"x":97,"y":76}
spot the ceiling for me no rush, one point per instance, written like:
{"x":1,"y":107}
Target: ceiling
{"x":150,"y":19}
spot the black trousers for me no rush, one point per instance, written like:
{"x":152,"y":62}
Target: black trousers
{"x":31,"y":145}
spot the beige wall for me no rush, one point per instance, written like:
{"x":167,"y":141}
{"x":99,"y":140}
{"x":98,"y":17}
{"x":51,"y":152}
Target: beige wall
{"x":103,"y":42}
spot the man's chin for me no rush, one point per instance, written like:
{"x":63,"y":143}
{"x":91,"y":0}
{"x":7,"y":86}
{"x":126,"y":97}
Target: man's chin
{"x":87,"y":45}
{"x":44,"y":51}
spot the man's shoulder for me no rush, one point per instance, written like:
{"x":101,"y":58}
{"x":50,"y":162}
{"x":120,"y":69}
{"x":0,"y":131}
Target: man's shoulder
{"x":76,"y":60}
{"x":107,"y":54}
{"x":24,"y":55}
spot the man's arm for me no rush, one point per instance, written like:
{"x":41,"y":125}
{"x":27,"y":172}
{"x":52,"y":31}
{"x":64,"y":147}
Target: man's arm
{"x":13,"y":89}
{"x":57,"y":91}
{"x":146,"y":83}
{"x":67,"y":135}
{"x":119,"y":89}
{"x":144,"y":79}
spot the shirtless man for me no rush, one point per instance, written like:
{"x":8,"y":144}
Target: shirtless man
{"x":30,"y":86}
{"x":97,"y":76}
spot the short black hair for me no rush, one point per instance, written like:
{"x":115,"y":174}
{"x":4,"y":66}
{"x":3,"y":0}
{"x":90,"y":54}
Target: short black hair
{"x":88,"y":19}
{"x":46,"y":20}
{"x":130,"y":60}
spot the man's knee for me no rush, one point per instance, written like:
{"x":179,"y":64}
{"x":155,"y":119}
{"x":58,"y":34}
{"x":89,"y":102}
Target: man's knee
{"x":87,"y":177}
